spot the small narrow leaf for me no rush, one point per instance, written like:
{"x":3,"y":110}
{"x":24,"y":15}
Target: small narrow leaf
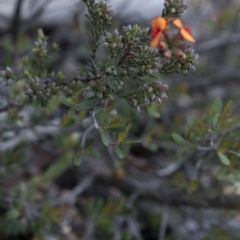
{"x":104,"y":139}
{"x":67,"y":121}
{"x":119,"y":152}
{"x":87,"y":103}
{"x":94,"y":154}
{"x":179,"y":139}
{"x":116,"y":122}
{"x":65,"y":101}
{"x":223,"y":158}
{"x":217,"y":105}
{"x":122,"y":137}
{"x":126,"y":148}
{"x":118,"y":130}
{"x":71,"y":112}
{"x":134,"y":28}
{"x":227,"y":107}
{"x":215,"y":118}
{"x":100,"y":116}
{"x":77,"y":160}
{"x":153,"y":111}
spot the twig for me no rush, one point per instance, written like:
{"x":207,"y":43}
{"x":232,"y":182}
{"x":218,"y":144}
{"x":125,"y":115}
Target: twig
{"x":94,"y":118}
{"x":163,"y":224}
{"x":233,"y":152}
{"x":133,"y":228}
{"x":132,"y":198}
{"x":71,"y":198}
{"x":90,"y":227}
{"x":173,"y":168}
{"x":85,"y":134}
{"x":117,"y":223}
{"x":86,"y":80}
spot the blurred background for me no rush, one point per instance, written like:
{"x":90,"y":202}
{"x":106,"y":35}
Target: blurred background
{"x":160,"y":191}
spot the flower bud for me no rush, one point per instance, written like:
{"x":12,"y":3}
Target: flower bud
{"x":115,"y":33}
{"x":167,"y":54}
{"x":179,"y":54}
{"x":127,"y":28}
{"x":162,"y":46}
{"x":152,"y":96}
{"x":120,"y":45}
{"x":163,"y":96}
{"x":113,"y":45}
{"x":103,"y":39}
{"x":108,"y":35}
{"x":157,"y":100}
{"x":106,"y":44}
{"x":180,"y":11}
{"x":150,"y":89}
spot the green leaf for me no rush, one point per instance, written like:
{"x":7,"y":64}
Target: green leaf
{"x":153,"y":111}
{"x":114,"y":123}
{"x":134,"y":28}
{"x":224,"y":159}
{"x":179,"y":139}
{"x":100,"y":116}
{"x":77,"y":160}
{"x":94,"y":154}
{"x":131,"y":142}
{"x":71,"y":112}
{"x":215,"y":118}
{"x":217,"y":105}
{"x":13,"y":214}
{"x":87,"y":103}
{"x":65,"y":101}
{"x":122,"y":137}
{"x":126,"y":148}
{"x":67,"y":121}
{"x":107,"y":120}
{"x":56,"y":169}
{"x":227,"y":107}
{"x":104,"y":139}
{"x":221,"y":173}
{"x":119,"y":152}
{"x":118,"y":130}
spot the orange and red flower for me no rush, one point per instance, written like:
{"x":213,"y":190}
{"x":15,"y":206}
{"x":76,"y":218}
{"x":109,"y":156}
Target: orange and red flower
{"x":158,"y":24}
{"x":185,"y":33}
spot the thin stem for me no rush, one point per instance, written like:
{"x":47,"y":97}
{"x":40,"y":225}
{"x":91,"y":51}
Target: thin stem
{"x":94,"y":118}
{"x":85,"y":134}
{"x":163,"y":225}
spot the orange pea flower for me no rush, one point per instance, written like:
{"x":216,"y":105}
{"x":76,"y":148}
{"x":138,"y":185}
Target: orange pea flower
{"x":186,"y":33}
{"x":158,"y":24}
